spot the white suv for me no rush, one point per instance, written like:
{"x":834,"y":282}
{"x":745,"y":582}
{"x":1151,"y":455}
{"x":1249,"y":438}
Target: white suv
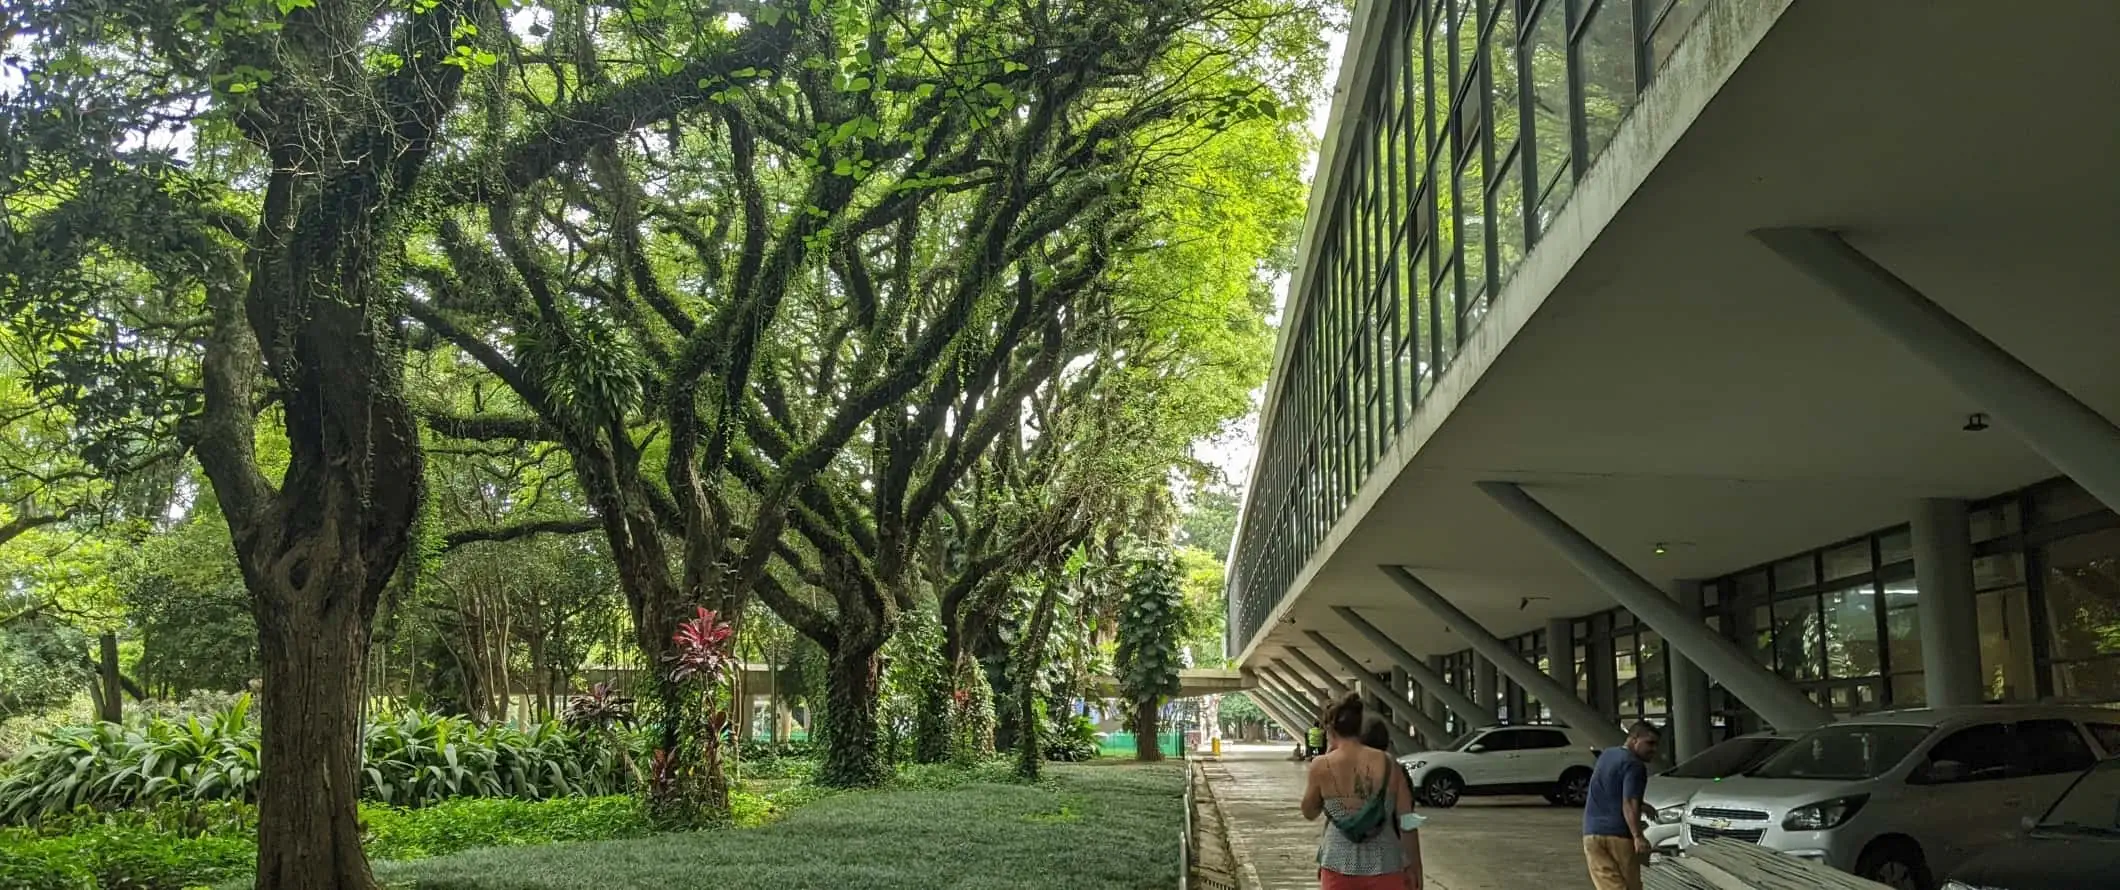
{"x":1552,"y":761}
{"x":1901,"y":796}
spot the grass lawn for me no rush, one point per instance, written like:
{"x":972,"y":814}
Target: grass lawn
{"x":1086,"y":828}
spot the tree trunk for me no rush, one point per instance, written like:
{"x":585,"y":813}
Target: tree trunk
{"x":931,"y":719}
{"x":1147,"y":723}
{"x":309,"y":834}
{"x":110,"y":706}
{"x":852,"y":677}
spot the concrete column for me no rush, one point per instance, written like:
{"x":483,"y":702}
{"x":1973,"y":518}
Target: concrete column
{"x":1334,"y":686}
{"x":1401,"y":709}
{"x":1487,"y":689}
{"x":1430,"y":678}
{"x":1565,"y":705}
{"x":1432,"y":692}
{"x":2068,"y":433}
{"x":1604,"y":680}
{"x":1689,"y":686}
{"x":1950,"y":630}
{"x":1402,"y":686}
{"x":1781,"y":703}
{"x":1560,"y":651}
{"x":1271,"y":703}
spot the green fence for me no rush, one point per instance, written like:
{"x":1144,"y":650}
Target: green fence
{"x":1122,"y":743}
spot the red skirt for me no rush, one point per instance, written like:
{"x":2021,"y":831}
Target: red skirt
{"x":1332,"y":880}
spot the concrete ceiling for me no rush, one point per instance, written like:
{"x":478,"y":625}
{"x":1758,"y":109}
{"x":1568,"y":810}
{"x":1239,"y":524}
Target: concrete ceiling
{"x":1681,"y":385}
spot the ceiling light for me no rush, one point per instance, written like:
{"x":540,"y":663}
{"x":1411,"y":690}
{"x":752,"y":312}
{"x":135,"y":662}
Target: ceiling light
{"x":1976,"y":422}
{"x":1662,"y":549}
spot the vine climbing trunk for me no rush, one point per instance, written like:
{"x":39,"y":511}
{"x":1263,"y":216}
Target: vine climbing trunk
{"x":1147,"y":727}
{"x":852,"y":684}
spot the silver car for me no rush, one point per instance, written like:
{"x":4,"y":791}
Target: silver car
{"x":1901,"y":796}
{"x":1669,"y":790}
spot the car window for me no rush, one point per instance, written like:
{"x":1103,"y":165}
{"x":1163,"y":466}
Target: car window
{"x":2108,"y":736}
{"x":1500,"y":740}
{"x":1728,"y":759}
{"x":2092,"y":803}
{"x":1844,"y":751}
{"x":1541,"y":739}
{"x":1973,"y":754}
{"x":2047,"y":747}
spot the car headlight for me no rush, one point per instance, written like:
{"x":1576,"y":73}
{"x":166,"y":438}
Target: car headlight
{"x":1671,"y":815}
{"x":1412,"y":765}
{"x":1823,"y":815}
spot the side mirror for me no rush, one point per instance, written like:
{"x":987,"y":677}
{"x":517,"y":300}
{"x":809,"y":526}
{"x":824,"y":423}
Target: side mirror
{"x":2027,"y":823}
{"x":1475,"y":749}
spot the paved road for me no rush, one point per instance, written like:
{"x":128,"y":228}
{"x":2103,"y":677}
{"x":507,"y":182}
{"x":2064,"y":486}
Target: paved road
{"x":1499,"y":843}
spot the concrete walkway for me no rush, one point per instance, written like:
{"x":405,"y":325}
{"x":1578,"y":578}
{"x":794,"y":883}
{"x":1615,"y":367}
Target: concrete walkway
{"x":1495,"y":843}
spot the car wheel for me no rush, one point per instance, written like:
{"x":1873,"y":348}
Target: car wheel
{"x":1896,"y":864}
{"x":1443,"y":789}
{"x":1573,"y":790}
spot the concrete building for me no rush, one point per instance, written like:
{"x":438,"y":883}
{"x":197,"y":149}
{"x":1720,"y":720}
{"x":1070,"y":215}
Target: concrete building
{"x":1722,"y":362}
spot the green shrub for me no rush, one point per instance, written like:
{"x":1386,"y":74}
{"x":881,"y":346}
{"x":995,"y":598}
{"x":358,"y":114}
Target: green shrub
{"x":411,"y":759}
{"x":451,"y":826}
{"x":121,"y":857}
{"x":1071,"y":738}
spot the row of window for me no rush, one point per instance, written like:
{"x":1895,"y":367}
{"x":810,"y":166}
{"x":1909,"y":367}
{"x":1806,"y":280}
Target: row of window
{"x":1841,"y":622}
{"x":1477,"y":118}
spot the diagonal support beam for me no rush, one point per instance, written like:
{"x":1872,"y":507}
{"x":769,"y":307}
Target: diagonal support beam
{"x":1303,"y":714}
{"x":1430,"y":681}
{"x":1571,"y":710}
{"x":1373,"y":704}
{"x":1430,"y":731}
{"x":1322,"y":692}
{"x":1305,"y":703}
{"x":2071,"y":435}
{"x":1275,"y":710}
{"x":1776,"y":700}
{"x":1333,"y":684}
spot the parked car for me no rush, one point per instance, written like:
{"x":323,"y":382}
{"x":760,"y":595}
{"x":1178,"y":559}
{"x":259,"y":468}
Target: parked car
{"x":1669,"y":790}
{"x":1900,"y":796}
{"x":1551,"y":761}
{"x":2075,"y":846}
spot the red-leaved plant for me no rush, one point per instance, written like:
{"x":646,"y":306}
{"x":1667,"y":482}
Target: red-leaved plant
{"x":702,"y":647}
{"x":688,"y":783}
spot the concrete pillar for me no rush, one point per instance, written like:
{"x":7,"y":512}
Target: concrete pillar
{"x":1334,"y":686}
{"x":1430,"y":677}
{"x":1487,"y":689}
{"x":1565,"y":705}
{"x":1780,"y":702}
{"x":1950,"y":629}
{"x":1689,"y":686}
{"x":1439,"y":708}
{"x":1560,"y":651}
{"x":2070,"y":434}
{"x":1604,"y":679}
{"x":1401,"y":709}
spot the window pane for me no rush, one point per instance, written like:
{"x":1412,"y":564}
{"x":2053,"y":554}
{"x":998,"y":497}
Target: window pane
{"x":1792,"y":574}
{"x":1501,"y":63}
{"x":1624,"y":676}
{"x":1508,"y":222}
{"x":1796,"y":638}
{"x":2090,"y":681}
{"x":1472,"y":213}
{"x":1909,"y":690}
{"x":1672,"y":29}
{"x":1895,"y":546}
{"x":1998,"y":571}
{"x":1552,"y":139}
{"x":1851,"y":632}
{"x":2083,"y":596}
{"x":1763,"y":636}
{"x":1902,"y":625}
{"x":2064,"y":500}
{"x":1848,"y":560}
{"x":1996,"y":520}
{"x":1446,"y":309}
{"x":2006,"y":646}
{"x":1656,"y":679}
{"x":1607,"y":51}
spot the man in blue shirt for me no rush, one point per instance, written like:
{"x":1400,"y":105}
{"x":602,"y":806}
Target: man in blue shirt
{"x":1613,"y":813}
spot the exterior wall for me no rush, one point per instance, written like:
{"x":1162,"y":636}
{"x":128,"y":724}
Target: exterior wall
{"x":1466,"y":127}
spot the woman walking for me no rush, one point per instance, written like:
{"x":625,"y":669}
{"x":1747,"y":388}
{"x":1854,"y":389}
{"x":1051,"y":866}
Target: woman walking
{"x":1371,"y":839}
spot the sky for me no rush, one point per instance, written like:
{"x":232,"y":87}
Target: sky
{"x":1232,"y":451}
